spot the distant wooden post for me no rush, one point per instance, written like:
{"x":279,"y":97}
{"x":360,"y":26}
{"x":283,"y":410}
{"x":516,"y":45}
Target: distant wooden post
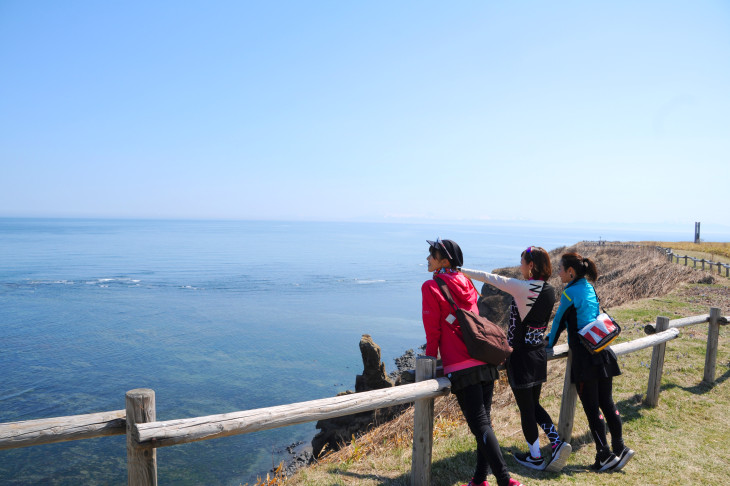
{"x":657,"y":366}
{"x":567,"y":406}
{"x":423,"y":426}
{"x":141,"y":460}
{"x":713,"y":334}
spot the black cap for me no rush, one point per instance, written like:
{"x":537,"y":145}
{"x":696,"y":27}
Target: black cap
{"x":450,"y":250}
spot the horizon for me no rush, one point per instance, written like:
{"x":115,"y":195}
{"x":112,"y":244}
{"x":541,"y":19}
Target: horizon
{"x":680,"y":230}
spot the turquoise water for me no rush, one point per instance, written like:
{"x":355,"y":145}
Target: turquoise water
{"x":215,"y":317}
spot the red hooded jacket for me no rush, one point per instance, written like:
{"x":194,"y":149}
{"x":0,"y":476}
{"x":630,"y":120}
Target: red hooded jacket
{"x":439,"y":334}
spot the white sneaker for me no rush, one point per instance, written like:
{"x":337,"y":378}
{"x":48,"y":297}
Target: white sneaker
{"x":623,"y":458}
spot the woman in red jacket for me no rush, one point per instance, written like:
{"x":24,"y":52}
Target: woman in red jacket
{"x":472,"y":381}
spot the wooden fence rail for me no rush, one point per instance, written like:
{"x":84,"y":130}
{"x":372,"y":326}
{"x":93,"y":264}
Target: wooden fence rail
{"x":145,"y":434}
{"x":673,"y":257}
{"x":182,"y":431}
{"x":61,"y":429}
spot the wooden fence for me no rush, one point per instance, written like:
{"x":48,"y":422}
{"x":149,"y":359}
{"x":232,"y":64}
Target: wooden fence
{"x":145,"y":434}
{"x":673,"y":257}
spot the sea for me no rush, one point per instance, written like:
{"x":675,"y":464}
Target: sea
{"x":215,"y":317}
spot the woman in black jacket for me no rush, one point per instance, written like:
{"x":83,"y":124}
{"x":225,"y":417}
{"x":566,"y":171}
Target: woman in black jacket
{"x":532,"y":303}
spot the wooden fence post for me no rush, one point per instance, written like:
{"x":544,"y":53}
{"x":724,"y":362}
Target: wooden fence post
{"x":141,"y":460}
{"x":657,"y":366}
{"x":423,"y":426}
{"x":713,"y":334}
{"x":567,"y":405}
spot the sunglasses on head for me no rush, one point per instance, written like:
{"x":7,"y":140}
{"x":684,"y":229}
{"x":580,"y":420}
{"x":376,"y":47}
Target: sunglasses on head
{"x":442,"y":247}
{"x":528,"y":253}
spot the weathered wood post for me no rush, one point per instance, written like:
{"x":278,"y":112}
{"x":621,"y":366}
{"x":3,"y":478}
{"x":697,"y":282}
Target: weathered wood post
{"x":713,"y":334}
{"x":141,"y":460}
{"x":685,"y":260}
{"x":657,"y":366}
{"x":703,"y":263}
{"x":567,"y":406}
{"x":423,"y":426}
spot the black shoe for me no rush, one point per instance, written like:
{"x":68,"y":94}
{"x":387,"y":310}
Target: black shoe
{"x":624,"y":457}
{"x":561,"y":451}
{"x":605,"y":460}
{"x":527,"y":460}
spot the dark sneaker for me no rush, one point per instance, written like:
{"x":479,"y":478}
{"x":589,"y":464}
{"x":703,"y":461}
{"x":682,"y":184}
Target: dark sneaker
{"x":624,"y":457}
{"x":472,"y":483}
{"x":560,"y":454}
{"x":527,"y":460}
{"x":605,"y":460}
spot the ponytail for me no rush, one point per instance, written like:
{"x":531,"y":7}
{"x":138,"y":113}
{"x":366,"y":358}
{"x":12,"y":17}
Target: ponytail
{"x":584,"y":267}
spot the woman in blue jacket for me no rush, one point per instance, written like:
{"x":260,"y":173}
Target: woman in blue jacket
{"x":592,"y":374}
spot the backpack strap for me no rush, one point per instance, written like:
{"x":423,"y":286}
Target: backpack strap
{"x":445,"y":290}
{"x":447,"y":295}
{"x":600,"y":307}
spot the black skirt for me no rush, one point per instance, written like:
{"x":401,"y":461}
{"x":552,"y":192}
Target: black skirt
{"x":527,"y":367}
{"x":589,"y":367}
{"x":471,"y":376}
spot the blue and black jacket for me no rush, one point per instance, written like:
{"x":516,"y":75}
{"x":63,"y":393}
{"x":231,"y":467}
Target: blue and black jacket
{"x":578,"y":306}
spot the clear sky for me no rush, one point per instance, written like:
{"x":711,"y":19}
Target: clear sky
{"x":371,"y":110}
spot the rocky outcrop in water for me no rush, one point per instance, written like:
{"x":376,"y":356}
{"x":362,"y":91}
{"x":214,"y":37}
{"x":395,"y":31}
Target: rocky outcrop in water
{"x":333,"y":433}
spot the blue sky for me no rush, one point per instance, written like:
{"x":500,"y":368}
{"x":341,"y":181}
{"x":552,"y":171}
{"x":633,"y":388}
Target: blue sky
{"x":566,"y":112}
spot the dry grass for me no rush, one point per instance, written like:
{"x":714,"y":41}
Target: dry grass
{"x":677,"y":442}
{"x":714,"y":250}
{"x":626,"y":274}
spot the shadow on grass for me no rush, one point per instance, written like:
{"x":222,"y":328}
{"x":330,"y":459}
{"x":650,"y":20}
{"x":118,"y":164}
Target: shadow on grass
{"x":458,"y":469}
{"x":701,"y":387}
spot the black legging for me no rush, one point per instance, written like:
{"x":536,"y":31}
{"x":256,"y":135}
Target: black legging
{"x":476,"y":405}
{"x":598,"y":393}
{"x":532,"y":414}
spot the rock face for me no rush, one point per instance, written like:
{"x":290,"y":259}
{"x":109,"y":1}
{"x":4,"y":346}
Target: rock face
{"x":373,"y":374}
{"x":338,"y":431}
{"x":494,"y":305}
